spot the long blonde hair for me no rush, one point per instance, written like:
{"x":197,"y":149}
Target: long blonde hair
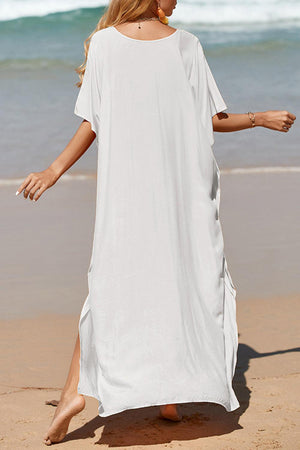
{"x":117,"y":11}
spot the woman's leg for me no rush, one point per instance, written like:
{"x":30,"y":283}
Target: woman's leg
{"x":70,"y":402}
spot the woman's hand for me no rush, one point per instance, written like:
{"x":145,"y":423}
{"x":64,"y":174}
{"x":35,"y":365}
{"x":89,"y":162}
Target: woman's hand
{"x":37,"y":181}
{"x":275,"y":120}
{"x":40,"y":181}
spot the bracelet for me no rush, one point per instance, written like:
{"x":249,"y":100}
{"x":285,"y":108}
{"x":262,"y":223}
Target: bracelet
{"x":252,"y":118}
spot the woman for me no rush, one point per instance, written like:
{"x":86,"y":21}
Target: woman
{"x":158,"y":326}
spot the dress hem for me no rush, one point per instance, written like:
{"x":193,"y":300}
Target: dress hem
{"x":177,"y":400}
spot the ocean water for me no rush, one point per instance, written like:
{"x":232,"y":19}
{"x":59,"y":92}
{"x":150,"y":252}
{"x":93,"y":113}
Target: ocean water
{"x":252,"y":48}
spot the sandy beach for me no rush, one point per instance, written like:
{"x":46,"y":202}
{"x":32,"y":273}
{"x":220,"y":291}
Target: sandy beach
{"x":45,"y":255}
{"x":36,"y":353}
{"x":46,"y":246}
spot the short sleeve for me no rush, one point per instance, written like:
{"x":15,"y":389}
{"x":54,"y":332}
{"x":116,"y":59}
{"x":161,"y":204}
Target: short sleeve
{"x":88,"y":100}
{"x":217,"y":103}
{"x":207,"y":96}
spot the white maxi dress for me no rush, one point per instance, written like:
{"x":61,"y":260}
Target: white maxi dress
{"x":159,"y":323}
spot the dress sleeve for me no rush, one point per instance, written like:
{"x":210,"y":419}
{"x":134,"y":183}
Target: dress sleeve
{"x":208,"y":99}
{"x":87,"y":104}
{"x":217,"y":103}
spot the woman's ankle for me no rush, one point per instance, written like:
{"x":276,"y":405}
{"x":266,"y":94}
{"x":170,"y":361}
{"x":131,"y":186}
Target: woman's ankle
{"x":69,"y":393}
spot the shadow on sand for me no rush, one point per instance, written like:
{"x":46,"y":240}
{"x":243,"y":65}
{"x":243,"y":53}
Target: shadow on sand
{"x":143,"y":427}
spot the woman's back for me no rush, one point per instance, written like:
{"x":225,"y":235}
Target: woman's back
{"x":150,"y":30}
{"x":144,"y":70}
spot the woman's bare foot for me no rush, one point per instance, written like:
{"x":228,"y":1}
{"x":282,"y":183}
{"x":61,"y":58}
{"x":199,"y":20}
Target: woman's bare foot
{"x":68,"y":406}
{"x":170,"y":412}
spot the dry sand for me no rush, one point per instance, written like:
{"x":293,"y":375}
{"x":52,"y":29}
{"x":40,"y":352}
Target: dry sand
{"x":45,"y":255}
{"x":35,"y":357}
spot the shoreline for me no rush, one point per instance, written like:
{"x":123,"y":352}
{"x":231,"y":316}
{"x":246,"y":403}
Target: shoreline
{"x":247,"y":170}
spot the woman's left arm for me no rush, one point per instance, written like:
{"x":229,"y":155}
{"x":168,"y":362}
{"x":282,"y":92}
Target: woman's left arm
{"x":275,"y":120}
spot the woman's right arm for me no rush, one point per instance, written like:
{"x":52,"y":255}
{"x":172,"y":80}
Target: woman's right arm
{"x":40,"y":181}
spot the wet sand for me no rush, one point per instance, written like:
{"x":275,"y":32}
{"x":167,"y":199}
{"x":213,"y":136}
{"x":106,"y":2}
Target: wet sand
{"x":46,"y":246}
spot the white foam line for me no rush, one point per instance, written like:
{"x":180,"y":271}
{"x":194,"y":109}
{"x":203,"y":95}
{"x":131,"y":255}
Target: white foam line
{"x":193,"y":11}
{"x":236,"y":170}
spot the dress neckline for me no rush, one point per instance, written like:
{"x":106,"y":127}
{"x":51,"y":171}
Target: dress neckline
{"x":144,"y":40}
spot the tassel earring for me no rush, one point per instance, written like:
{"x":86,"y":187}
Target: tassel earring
{"x":162,"y":17}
